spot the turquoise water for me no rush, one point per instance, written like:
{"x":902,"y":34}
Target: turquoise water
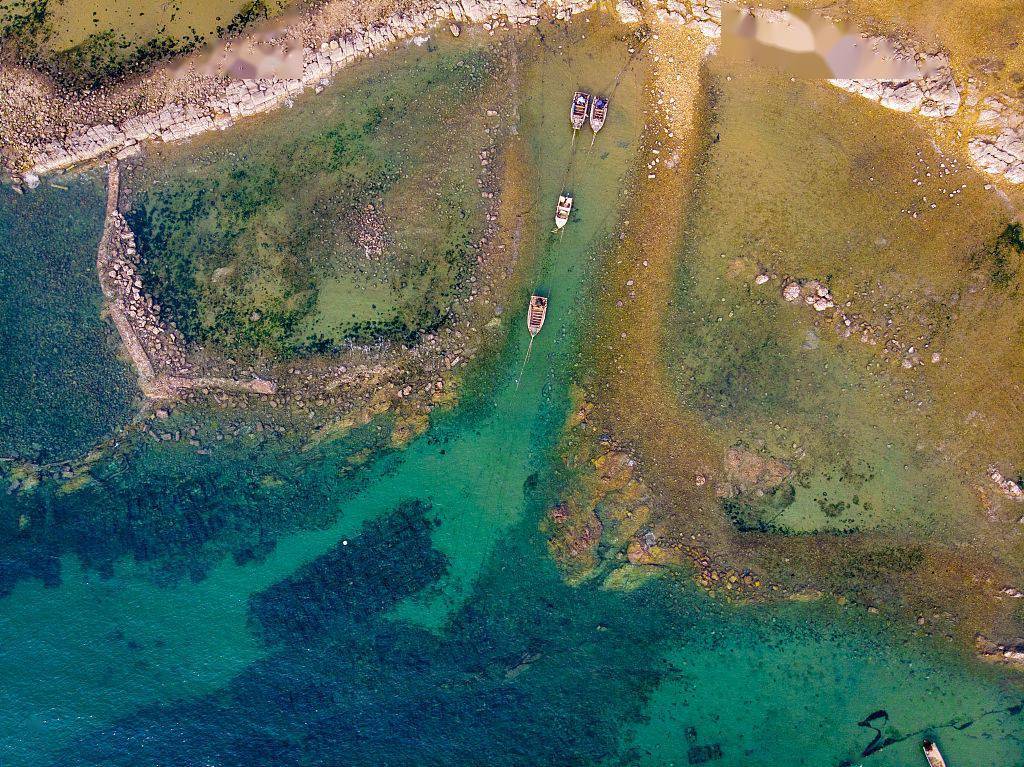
{"x":260,"y":606}
{"x":61,"y":386}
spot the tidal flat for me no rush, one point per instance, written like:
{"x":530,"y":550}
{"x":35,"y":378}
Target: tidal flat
{"x":249,"y":596}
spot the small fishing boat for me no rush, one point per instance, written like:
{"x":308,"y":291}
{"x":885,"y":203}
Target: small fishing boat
{"x":580,"y":108}
{"x":535,"y":316}
{"x":562,"y":210}
{"x":932,"y":754}
{"x":598,"y":113}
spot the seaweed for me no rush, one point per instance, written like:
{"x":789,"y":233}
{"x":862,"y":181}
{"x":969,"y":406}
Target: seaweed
{"x":1006,"y":255}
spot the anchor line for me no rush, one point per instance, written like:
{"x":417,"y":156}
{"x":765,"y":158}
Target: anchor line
{"x":526,"y":359}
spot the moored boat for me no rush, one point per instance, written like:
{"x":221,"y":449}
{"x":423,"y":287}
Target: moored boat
{"x":536,"y":314}
{"x":932,"y":754}
{"x":598,"y":113}
{"x":562,"y":210}
{"x":579,"y":109}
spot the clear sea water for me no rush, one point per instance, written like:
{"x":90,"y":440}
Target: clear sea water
{"x":258,"y":606}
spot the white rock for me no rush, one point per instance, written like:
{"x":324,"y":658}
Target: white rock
{"x":791,"y":292}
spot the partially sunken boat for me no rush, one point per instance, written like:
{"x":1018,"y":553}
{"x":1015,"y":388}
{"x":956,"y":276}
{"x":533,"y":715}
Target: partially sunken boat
{"x":562,"y":210}
{"x":535,"y":316}
{"x":598,"y":113}
{"x":932,"y":754}
{"x":579,"y":109}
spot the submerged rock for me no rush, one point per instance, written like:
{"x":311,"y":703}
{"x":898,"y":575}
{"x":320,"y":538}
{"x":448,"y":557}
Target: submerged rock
{"x":747,"y":470}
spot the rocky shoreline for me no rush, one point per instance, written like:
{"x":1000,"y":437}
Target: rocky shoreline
{"x":223,"y":102}
{"x":217,"y":103}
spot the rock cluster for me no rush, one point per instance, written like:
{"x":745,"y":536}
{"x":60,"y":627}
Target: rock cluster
{"x":704,"y":16}
{"x":1002,"y":152}
{"x":1010,"y":488}
{"x":122,"y":285}
{"x":933,"y":94}
{"x":817,"y":295}
{"x":748,"y":471}
{"x":1011,"y":653}
{"x":369,"y":231}
{"x":811,"y":292}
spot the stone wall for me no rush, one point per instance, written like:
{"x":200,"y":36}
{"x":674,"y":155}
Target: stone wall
{"x":155,"y":347}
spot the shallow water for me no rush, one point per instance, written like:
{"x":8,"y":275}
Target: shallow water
{"x":877,"y":221}
{"x":62,"y":387}
{"x":349,"y":216}
{"x":261,"y":606}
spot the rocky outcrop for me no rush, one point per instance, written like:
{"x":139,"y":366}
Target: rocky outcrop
{"x":628,"y":12}
{"x":1008,"y":654}
{"x":811,"y":292}
{"x":704,"y":16}
{"x":1001,"y":151}
{"x":1008,"y":487}
{"x":932,"y":94}
{"x":747,"y":470}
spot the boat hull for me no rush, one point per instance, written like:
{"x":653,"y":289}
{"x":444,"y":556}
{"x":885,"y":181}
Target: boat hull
{"x":933,"y":755}
{"x":536,"y":314}
{"x":580,"y":109}
{"x":598,"y":114}
{"x":562,"y":211}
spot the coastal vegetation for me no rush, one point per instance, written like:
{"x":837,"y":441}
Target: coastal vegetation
{"x":521,"y":575}
{"x":84,"y":44}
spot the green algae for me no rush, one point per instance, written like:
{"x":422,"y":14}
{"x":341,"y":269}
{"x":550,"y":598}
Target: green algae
{"x":175,"y":587}
{"x":343,"y":219}
{"x":84,"y":43}
{"x":62,"y":387}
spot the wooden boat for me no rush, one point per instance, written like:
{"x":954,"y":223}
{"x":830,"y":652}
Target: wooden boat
{"x":562,"y":210}
{"x":535,"y":316}
{"x":579,"y":109}
{"x":932,"y":754}
{"x":598,"y":113}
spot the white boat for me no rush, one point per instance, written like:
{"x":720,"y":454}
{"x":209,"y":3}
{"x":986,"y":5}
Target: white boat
{"x":535,"y":316}
{"x":579,"y":109}
{"x":598,"y":113}
{"x":562,"y":210}
{"x":933,"y":755}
